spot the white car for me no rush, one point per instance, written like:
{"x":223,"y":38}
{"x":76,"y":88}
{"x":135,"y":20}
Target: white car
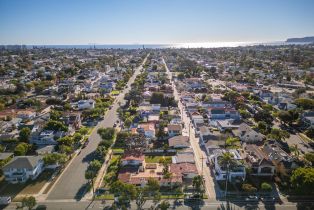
{"x":5,"y":200}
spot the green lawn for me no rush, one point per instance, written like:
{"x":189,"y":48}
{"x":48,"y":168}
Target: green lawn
{"x":105,"y":197}
{"x":30,"y":187}
{"x":115,"y":92}
{"x":117,"y":151}
{"x":157,"y":159}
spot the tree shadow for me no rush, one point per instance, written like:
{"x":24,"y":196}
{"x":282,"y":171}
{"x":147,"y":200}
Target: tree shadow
{"x":81,"y":192}
{"x":89,"y":157}
{"x":195,"y":205}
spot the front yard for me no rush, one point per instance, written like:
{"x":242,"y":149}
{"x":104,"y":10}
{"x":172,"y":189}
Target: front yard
{"x":30,"y":187}
{"x":157,"y":159}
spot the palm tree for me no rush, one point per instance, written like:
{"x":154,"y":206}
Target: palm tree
{"x":227,"y":161}
{"x":198,"y":184}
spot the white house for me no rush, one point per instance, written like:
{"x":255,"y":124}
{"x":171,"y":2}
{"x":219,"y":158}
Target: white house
{"x":235,"y":171}
{"x":86,"y":104}
{"x":132,"y":159}
{"x":46,"y":137}
{"x":155,"y":107}
{"x":22,"y":168}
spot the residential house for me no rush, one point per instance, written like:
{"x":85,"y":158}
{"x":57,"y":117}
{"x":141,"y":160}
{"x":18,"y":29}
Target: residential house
{"x":224,"y":125}
{"x":73,"y":121}
{"x":86,"y":104}
{"x":179,"y":142}
{"x":26,"y":114}
{"x":308,"y":118}
{"x":236,"y":171}
{"x":223,"y":113}
{"x":46,"y":137}
{"x":185,"y":156}
{"x":132,"y":159}
{"x":148,"y":129}
{"x":174,"y":130}
{"x":23,"y":168}
{"x":283,"y":162}
{"x":156,"y":107}
{"x":258,"y":161}
{"x":197,"y":120}
{"x":45,"y":150}
{"x":246,"y":134}
{"x":205,"y":134}
{"x":139,"y":176}
{"x":187,"y":171}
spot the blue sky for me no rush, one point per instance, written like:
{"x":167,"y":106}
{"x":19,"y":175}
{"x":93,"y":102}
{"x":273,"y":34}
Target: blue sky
{"x":153,"y":21}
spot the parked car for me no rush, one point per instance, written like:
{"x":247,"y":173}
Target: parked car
{"x":268,"y":199}
{"x":6,"y":200}
{"x":85,"y":144}
{"x":251,"y":198}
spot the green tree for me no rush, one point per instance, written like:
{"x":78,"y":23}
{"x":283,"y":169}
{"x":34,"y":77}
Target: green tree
{"x":124,"y":192}
{"x":2,"y":106}
{"x":310,"y":157}
{"x":285,"y":116}
{"x":65,"y":149}
{"x":232,"y":143}
{"x":152,"y":186}
{"x":77,"y":137}
{"x":55,"y":115}
{"x":21,"y":149}
{"x":56,"y":126}
{"x":164,"y":205}
{"x":198,"y":184}
{"x":263,"y":127}
{"x":310,"y":132}
{"x":302,"y":180}
{"x":54,"y":158}
{"x":266,"y":187}
{"x":83,"y":130}
{"x":67,"y":140}
{"x":248,"y":188}
{"x":140,"y":199}
{"x":25,"y":134}
{"x":244,"y":113}
{"x":29,"y":202}
{"x":278,"y":134}
{"x":106,"y":133}
{"x":94,"y":165}
{"x":89,"y":175}
{"x":263,"y":115}
{"x":157,"y":98}
{"x":305,"y":103}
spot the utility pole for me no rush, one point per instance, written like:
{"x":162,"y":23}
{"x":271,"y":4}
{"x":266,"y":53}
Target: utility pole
{"x":227,"y":179}
{"x":190,"y":131}
{"x":202,"y":158}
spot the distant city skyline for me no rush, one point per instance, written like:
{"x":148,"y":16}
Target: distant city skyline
{"x":153,"y":21}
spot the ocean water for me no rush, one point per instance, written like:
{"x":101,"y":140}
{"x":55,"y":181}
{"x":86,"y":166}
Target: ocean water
{"x":164,"y":46}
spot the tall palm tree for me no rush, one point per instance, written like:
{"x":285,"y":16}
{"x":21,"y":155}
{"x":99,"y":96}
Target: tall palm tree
{"x":198,"y":184}
{"x":227,"y":161}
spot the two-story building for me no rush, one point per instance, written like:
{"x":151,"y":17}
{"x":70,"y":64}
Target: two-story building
{"x":22,"y":168}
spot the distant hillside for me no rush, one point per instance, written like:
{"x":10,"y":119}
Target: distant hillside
{"x":304,"y":39}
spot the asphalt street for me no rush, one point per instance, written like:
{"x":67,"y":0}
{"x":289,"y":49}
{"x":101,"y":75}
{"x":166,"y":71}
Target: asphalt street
{"x":72,"y":183}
